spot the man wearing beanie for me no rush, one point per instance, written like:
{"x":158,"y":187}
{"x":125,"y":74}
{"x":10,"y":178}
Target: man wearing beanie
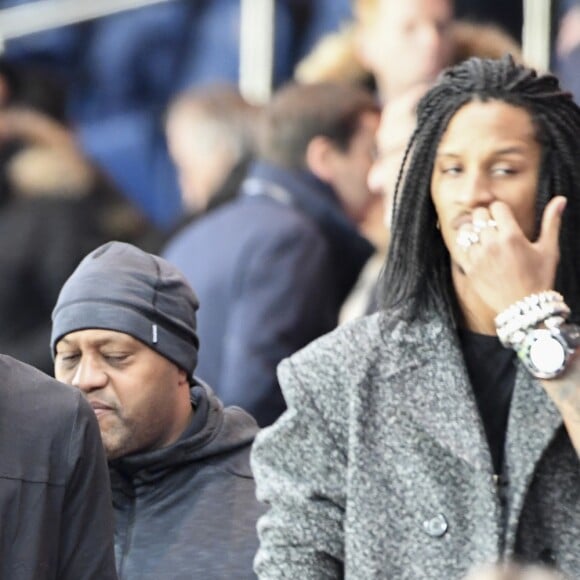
{"x":124,"y":333}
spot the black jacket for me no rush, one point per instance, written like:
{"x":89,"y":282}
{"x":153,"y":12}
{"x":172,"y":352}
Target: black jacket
{"x":189,"y":510}
{"x":55,"y":504}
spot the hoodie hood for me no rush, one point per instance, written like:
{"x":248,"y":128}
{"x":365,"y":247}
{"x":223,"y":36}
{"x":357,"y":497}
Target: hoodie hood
{"x":213,"y":433}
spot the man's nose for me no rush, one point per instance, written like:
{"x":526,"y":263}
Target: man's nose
{"x":89,"y":376}
{"x":477,"y":191}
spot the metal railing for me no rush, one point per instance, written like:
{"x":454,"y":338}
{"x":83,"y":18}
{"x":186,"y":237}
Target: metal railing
{"x":44,"y":15}
{"x":256,"y":31}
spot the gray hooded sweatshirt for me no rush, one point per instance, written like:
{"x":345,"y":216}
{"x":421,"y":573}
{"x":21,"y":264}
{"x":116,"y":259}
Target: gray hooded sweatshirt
{"x":189,"y":510}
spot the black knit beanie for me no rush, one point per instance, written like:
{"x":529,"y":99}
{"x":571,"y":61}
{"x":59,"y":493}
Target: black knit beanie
{"x":120,"y":287}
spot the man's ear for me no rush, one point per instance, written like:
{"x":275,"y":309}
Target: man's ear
{"x":320,"y":158}
{"x":183,"y":378}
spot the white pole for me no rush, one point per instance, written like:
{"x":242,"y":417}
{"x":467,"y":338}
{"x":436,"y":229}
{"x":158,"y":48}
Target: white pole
{"x":256,"y":49}
{"x":536,"y":33}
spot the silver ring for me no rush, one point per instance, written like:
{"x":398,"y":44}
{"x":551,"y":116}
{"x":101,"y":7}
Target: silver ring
{"x":479,"y":225}
{"x":467,"y":238}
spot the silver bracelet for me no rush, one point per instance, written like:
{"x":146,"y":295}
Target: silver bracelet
{"x":514,"y":321}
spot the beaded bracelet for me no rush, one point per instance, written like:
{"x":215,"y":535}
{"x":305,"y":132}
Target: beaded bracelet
{"x":527,"y":313}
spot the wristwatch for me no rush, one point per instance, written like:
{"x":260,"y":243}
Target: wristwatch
{"x":545,"y":352}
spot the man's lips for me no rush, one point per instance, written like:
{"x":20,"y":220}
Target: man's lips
{"x":100,"y":408}
{"x":462,"y":220}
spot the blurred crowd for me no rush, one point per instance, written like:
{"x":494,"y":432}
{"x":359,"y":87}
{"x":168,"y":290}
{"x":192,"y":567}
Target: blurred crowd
{"x":135,"y":123}
{"x":279,"y":215}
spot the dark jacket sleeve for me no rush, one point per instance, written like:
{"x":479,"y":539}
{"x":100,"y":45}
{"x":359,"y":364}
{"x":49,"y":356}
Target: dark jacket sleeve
{"x":86,"y":545}
{"x":284,"y":301}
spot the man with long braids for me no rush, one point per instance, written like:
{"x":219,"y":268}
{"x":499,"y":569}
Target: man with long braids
{"x":443,"y":432}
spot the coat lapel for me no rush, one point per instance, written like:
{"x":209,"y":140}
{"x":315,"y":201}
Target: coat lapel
{"x":435,"y":390}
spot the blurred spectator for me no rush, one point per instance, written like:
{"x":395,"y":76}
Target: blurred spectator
{"x":124,"y":68}
{"x":567,"y":49}
{"x":422,"y":31}
{"x":398,"y":120}
{"x":55,"y":208}
{"x":334,"y":59}
{"x":210,"y":132}
{"x":29,"y":87}
{"x":273,"y":267}
{"x":404,"y":43}
{"x":419,"y":38}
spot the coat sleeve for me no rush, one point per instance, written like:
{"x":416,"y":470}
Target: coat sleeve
{"x":283,"y":302}
{"x":86,"y":543}
{"x":300,"y":471}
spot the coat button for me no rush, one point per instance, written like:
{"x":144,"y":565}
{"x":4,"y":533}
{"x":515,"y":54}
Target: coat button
{"x":436,"y":526}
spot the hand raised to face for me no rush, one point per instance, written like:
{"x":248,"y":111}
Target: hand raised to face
{"x":502,"y":264}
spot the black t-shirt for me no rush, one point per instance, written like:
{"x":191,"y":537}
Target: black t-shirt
{"x":492,"y":372}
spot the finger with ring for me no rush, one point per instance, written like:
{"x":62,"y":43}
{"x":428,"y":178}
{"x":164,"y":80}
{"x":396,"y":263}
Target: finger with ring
{"x":467,"y":238}
{"x":479,"y":225}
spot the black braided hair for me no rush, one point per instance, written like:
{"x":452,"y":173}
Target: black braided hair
{"x":417,"y":275}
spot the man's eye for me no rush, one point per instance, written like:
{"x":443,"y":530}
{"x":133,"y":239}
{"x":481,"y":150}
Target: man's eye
{"x":503,"y":171}
{"x":68,"y":358}
{"x":115,"y":358}
{"x":451,"y":170}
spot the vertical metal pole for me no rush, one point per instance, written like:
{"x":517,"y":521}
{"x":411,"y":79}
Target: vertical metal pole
{"x":257,"y":49}
{"x":536,"y":33}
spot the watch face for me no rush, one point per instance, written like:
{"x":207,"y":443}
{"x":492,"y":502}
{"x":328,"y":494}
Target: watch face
{"x":547,"y":353}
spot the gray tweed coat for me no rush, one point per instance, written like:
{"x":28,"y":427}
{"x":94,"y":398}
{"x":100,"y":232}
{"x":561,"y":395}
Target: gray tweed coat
{"x":380,"y":467}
